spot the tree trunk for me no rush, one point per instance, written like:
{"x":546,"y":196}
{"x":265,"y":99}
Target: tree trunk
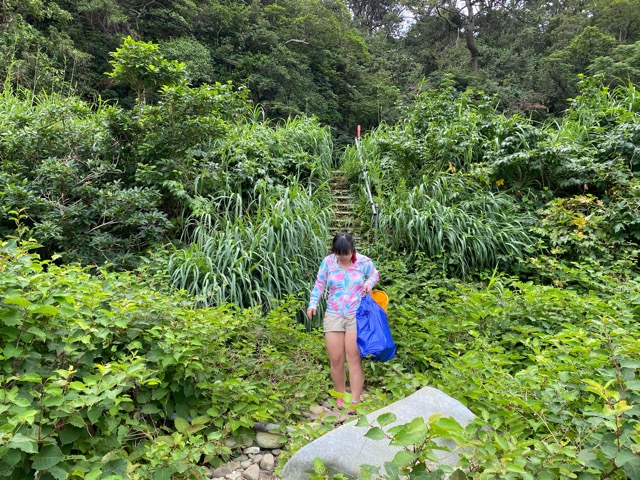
{"x":468,"y":32}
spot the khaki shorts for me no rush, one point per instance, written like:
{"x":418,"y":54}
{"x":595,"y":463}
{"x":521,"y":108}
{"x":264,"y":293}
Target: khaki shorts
{"x":335,"y":323}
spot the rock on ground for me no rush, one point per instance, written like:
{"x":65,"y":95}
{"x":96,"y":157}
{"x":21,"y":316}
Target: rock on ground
{"x":343,"y":450}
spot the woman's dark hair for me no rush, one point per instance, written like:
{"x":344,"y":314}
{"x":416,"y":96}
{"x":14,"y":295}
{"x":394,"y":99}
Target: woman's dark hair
{"x":343,"y":244}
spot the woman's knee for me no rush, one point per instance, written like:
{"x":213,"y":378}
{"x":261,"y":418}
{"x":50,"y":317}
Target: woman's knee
{"x":353,"y":359}
{"x":336,"y":360}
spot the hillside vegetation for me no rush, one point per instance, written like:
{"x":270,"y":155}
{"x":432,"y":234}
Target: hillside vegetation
{"x":156,"y":252}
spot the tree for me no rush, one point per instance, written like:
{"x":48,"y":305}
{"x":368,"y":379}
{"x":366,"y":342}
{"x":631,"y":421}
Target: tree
{"x":461,"y":18}
{"x":563,"y":66}
{"x":618,"y":18}
{"x":375,"y":15}
{"x":622,"y":66}
{"x":140,"y":66}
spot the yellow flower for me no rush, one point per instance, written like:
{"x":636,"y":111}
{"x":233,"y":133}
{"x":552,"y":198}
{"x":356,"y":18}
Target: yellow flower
{"x":500,"y":182}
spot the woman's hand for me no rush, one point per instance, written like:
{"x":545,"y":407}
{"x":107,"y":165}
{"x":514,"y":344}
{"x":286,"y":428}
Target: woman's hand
{"x":366,"y":289}
{"x":311,"y":311}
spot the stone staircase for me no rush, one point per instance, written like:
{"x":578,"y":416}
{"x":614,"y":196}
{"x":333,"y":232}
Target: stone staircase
{"x":345,"y":216}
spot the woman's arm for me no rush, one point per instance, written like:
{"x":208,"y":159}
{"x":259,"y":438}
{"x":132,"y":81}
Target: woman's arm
{"x":372,"y":276}
{"x":319,"y":286}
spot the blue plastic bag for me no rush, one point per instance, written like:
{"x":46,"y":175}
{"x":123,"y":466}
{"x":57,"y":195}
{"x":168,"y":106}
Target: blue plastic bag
{"x":374,"y":336}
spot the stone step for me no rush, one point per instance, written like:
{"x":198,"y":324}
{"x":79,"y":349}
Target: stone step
{"x":336,"y":227}
{"x":344,"y":215}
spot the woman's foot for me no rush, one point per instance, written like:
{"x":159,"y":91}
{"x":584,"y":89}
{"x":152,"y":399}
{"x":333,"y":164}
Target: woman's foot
{"x":340,"y":403}
{"x":353,"y":408}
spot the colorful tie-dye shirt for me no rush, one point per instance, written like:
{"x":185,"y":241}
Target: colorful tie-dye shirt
{"x":345,"y":286}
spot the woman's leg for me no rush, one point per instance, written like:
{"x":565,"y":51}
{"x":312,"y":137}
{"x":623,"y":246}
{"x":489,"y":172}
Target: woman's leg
{"x":335,"y":348}
{"x":356,"y":374}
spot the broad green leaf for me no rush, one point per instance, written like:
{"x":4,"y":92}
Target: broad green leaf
{"x":162,"y":474}
{"x":49,"y":310}
{"x":12,"y":457}
{"x":632,"y":469}
{"x":11,"y":351}
{"x":38,"y":333}
{"x":319,"y":466}
{"x":159,"y":393}
{"x":70,"y":434}
{"x":47,"y":457}
{"x":393,"y":473}
{"x":202,"y":420}
{"x":53,"y":401}
{"x":608,"y":446}
{"x":58,"y":473}
{"x":117,"y":466}
{"x":28,"y":416}
{"x":458,"y":475}
{"x":626,"y":456}
{"x":590,"y":460}
{"x":24,"y":443}
{"x":362,"y":421}
{"x":181,"y":424}
{"x":11,"y":318}
{"x":93,"y":414}
{"x":31,"y":377}
{"x":22,"y":402}
{"x":404,"y":458}
{"x":386,"y":419}
{"x":512,"y":467}
{"x":150,"y":409}
{"x":376,"y":433}
{"x":17,"y":300}
{"x":629,"y":363}
{"x":450,"y":424}
{"x":411,"y":433}
{"x":93,"y":475}
{"x":76,"y":421}
{"x":167,"y":439}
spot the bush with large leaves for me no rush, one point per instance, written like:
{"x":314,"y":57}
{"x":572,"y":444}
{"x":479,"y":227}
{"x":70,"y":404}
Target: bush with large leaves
{"x":102,"y":375}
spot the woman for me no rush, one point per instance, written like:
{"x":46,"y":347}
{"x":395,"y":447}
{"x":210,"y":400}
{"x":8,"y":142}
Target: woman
{"x":349,"y":276}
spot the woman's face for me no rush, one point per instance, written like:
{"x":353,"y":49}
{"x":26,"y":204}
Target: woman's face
{"x":344,"y":256}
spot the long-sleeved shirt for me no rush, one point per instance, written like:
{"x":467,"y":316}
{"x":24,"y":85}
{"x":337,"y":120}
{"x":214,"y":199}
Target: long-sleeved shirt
{"x":345,"y":285}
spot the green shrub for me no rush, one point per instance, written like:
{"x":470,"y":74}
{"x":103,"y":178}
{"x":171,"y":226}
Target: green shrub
{"x":552,"y":375}
{"x":103,"y":376}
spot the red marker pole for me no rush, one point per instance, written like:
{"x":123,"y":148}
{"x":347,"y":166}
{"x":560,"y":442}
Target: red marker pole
{"x":358,"y":130}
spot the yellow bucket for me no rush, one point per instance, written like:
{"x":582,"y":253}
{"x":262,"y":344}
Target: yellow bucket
{"x":380,"y":298}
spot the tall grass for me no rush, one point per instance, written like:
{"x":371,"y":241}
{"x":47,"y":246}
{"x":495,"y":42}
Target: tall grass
{"x":252,"y":254}
{"x":448,"y":218}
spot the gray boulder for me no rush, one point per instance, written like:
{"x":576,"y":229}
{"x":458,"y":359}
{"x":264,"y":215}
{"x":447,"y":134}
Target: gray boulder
{"x":344,"y":449}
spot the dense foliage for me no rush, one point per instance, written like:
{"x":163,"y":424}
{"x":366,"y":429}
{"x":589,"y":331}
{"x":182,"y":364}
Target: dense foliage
{"x":253,"y":259}
{"x":460,"y":180}
{"x":109,"y":184}
{"x":100,"y":373}
{"x":159,"y":230}
{"x":345,"y":62}
{"x":104,"y":367}
{"x":552,"y":374}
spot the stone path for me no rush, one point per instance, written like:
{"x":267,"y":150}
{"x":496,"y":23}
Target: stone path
{"x":258,"y":461}
{"x":345,"y":217}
